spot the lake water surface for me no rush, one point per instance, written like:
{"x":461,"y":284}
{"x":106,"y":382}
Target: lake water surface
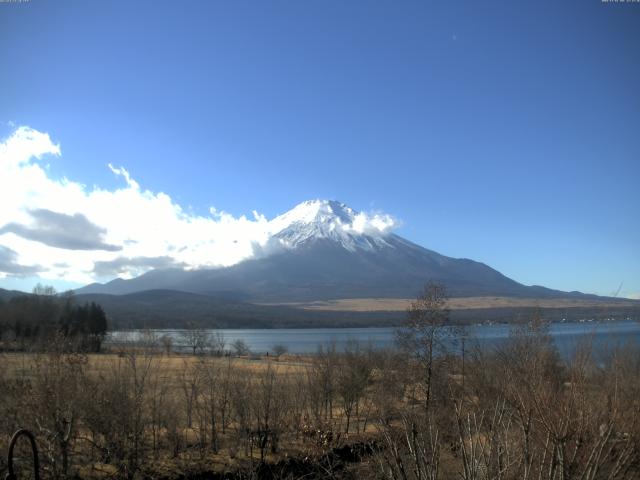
{"x":567,"y":336}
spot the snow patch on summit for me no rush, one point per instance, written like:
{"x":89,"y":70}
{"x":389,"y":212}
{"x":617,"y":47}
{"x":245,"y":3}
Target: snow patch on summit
{"x":332,"y":220}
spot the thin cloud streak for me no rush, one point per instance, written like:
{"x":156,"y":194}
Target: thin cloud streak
{"x":140,"y":264}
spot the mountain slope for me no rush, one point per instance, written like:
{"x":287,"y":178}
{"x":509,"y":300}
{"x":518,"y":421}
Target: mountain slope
{"x":325,"y":250}
{"x":6,"y":295}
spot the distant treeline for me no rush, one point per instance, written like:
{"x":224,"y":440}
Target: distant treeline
{"x":30,"y":320}
{"x":156,"y":309}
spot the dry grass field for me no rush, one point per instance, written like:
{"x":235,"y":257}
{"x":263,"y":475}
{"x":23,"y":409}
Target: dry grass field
{"x":137,"y":412}
{"x":462,"y":303}
{"x":14,"y":364}
{"x":169,"y":414}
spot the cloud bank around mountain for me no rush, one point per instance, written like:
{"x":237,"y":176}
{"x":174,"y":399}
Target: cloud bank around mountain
{"x":59,"y":229}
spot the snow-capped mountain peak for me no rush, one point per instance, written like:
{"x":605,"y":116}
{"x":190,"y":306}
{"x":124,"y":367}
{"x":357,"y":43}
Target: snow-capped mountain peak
{"x":332,"y":220}
{"x":326,"y":212}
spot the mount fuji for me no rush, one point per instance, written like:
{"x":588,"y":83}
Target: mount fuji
{"x":324,"y":250}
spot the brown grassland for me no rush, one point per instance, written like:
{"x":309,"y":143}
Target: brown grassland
{"x":458,"y":303}
{"x":142,"y":411}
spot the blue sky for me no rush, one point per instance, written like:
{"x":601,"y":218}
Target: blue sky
{"x":506,"y":132}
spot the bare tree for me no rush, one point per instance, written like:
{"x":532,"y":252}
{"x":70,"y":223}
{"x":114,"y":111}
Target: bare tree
{"x":268,"y":409}
{"x":167,"y":343}
{"x":57,"y":388}
{"x":44,"y":290}
{"x":212,"y":400}
{"x":218,"y":343}
{"x":353,"y":378}
{"x":241,"y":348}
{"x":424,"y":330}
{"x":197,"y":339}
{"x":279,"y":349}
{"x":189,"y":384}
{"x":410,"y":452}
{"x":322,"y":382}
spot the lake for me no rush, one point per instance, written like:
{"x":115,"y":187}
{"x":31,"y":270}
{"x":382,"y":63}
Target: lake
{"x":567,"y":336}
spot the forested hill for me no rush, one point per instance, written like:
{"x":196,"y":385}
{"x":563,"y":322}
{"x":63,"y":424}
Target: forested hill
{"x":32,"y":320}
{"x":175,"y":309}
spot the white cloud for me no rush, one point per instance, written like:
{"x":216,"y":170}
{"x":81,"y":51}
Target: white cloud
{"x":25,"y":144}
{"x":124,"y":173}
{"x":141,"y":228}
{"x":377,"y":223}
{"x":143,"y":224}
